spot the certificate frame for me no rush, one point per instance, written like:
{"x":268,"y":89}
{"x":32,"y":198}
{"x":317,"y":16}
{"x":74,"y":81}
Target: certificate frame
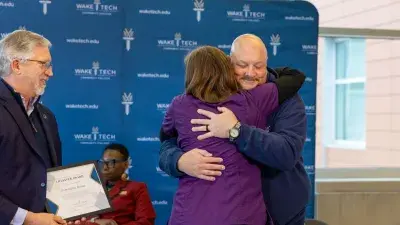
{"x":96,"y":175}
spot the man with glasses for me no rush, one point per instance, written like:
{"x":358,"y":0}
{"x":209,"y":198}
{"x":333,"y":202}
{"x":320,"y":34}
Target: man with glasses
{"x":29,"y":139}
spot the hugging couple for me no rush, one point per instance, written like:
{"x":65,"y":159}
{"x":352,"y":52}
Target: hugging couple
{"x":233,"y":170}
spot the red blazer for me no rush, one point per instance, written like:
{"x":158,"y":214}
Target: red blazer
{"x":132,"y":204}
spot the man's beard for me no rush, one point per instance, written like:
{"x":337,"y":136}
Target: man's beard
{"x":40,"y":90}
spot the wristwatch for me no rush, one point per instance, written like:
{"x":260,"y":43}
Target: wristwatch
{"x":234,"y":132}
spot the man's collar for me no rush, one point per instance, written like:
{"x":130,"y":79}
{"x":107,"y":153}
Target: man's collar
{"x":8,"y":85}
{"x":32,"y":102}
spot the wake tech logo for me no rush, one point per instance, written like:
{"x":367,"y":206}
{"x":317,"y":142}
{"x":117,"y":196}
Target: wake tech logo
{"x":95,"y":137}
{"x":198,"y":8}
{"x":97,"y":8}
{"x":310,"y":49}
{"x":162,"y":107}
{"x":275,"y":42}
{"x":246,"y":15}
{"x":310,"y":109}
{"x":128,"y":37}
{"x":95,"y":73}
{"x":44,"y":3}
{"x":178,"y":43}
{"x":127,"y":101}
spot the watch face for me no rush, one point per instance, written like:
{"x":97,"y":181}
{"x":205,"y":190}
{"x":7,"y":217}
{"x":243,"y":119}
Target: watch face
{"x":234,"y":133}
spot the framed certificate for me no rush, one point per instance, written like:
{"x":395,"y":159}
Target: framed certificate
{"x":76,"y":191}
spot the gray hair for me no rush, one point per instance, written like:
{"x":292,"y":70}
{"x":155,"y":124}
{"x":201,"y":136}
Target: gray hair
{"x":19,"y":45}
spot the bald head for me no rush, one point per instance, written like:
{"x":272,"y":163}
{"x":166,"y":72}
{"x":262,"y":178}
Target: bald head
{"x":246,"y":42}
{"x":249,"y":58}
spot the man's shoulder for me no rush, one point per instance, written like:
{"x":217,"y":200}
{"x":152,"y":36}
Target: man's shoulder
{"x":293,"y":105}
{"x":295,"y":102}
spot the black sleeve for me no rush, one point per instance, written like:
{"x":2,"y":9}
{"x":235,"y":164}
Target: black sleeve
{"x":164,"y":136}
{"x":288,"y":83}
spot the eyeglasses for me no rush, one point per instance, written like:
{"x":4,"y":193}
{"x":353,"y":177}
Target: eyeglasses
{"x":109,"y":163}
{"x":46,"y":65}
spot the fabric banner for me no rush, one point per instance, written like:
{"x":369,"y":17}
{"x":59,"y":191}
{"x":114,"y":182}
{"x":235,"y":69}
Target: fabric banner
{"x":118,"y":64}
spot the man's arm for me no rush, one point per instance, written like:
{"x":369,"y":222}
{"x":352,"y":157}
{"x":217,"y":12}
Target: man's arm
{"x":196,"y":162}
{"x":8,"y":211}
{"x":169,"y":156}
{"x":19,"y":217}
{"x":169,"y":151}
{"x":13,"y":215}
{"x":281,"y":148}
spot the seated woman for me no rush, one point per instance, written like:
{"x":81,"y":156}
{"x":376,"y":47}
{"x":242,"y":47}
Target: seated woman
{"x":130,"y":199}
{"x":235,"y":197}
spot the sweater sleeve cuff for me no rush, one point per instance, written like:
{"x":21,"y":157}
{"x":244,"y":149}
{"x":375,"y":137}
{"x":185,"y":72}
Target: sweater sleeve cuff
{"x":175,"y":170}
{"x":242,"y":139}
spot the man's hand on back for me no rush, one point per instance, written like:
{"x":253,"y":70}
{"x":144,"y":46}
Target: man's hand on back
{"x":200,"y":163}
{"x":218,"y":124}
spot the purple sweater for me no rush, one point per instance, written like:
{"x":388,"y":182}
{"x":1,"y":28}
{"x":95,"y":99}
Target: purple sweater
{"x":236,"y":196}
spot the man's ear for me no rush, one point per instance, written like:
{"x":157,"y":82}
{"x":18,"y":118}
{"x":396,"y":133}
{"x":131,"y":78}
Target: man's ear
{"x":15,"y":66}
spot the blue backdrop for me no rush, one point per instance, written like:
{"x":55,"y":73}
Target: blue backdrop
{"x":117,"y":65}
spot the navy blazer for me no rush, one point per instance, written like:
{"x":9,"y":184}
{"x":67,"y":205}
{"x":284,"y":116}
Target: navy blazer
{"x":22,"y":168}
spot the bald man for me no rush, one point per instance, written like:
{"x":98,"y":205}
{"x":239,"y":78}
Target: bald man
{"x":249,"y":57}
{"x":277,"y":150}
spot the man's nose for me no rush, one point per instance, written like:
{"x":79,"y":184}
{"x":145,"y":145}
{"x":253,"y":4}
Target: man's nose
{"x":49,"y":72}
{"x":250,"y":70}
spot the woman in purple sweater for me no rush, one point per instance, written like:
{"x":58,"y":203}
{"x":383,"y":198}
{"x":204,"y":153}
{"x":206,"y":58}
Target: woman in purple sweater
{"x":235,"y":198}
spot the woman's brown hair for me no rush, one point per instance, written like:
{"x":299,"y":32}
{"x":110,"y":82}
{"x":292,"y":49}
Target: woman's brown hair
{"x":210,"y":75}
